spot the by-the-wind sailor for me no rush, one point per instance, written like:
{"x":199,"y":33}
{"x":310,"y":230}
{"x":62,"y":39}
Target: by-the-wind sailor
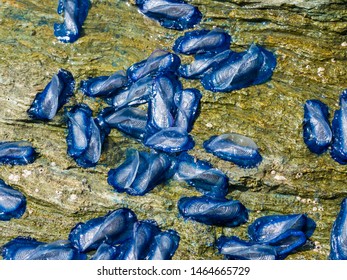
{"x":113,"y":228}
{"x":213,"y":211}
{"x":106,"y":252}
{"x":201,"y":175}
{"x":17,"y":153}
{"x":234,"y":248}
{"x":316,"y":129}
{"x":202,"y":41}
{"x":339,"y":129}
{"x":158,"y":62}
{"x":75,"y":13}
{"x":173,"y":14}
{"x":236,"y":148}
{"x":104,"y":86}
{"x":22,"y":248}
{"x":164,"y":245}
{"x":140,"y":172}
{"x":12,"y":202}
{"x":57,"y":93}
{"x":338,"y":236}
{"x":253,"y":67}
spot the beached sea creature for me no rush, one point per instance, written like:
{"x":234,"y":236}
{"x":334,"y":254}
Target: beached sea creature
{"x":213,"y":211}
{"x":173,"y":14}
{"x":12,"y":202}
{"x":75,"y":13}
{"x":17,"y":153}
{"x":338,"y":236}
{"x":316,"y":129}
{"x":236,"y":148}
{"x":164,"y":245}
{"x":106,"y":252}
{"x":56,"y":94}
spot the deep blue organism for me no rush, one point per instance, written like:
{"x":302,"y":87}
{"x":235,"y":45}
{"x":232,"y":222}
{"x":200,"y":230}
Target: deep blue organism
{"x":164,"y":245}
{"x":201,"y":175}
{"x":158,"y":62}
{"x":338,"y":236}
{"x":22,"y":248}
{"x":129,"y":120}
{"x":173,"y":14}
{"x":75,"y":13}
{"x":233,"y":248}
{"x":104,"y":86}
{"x":17,"y":153}
{"x":140,"y":172}
{"x":236,"y":148}
{"x":252,"y":67}
{"x":106,"y":252}
{"x":12,"y":202}
{"x":202,"y":41}
{"x":187,"y":104}
{"x":113,"y":228}
{"x":316,"y":129}
{"x":57,"y":93}
{"x":213,"y":211}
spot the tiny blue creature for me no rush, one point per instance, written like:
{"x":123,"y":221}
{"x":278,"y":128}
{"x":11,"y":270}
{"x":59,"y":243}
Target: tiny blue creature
{"x":17,"y":153}
{"x":12,"y":202}
{"x":106,"y":252}
{"x":164,"y":245}
{"x":338,"y":236}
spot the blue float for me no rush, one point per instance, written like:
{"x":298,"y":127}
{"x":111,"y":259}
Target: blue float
{"x":17,"y":153}
{"x":338,"y":238}
{"x":12,"y":202}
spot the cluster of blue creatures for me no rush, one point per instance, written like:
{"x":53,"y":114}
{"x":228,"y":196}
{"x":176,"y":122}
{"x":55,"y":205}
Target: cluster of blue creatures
{"x":163,"y":127}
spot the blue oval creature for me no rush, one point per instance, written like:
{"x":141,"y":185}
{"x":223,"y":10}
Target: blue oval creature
{"x":213,"y":211}
{"x":12,"y":202}
{"x":104,"y":86}
{"x":202,"y":41}
{"x":17,"y":153}
{"x":339,"y":143}
{"x":201,"y":175}
{"x":75,"y":13}
{"x":338,"y":236}
{"x":159,"y":62}
{"x":106,"y":252}
{"x":22,"y":248}
{"x":57,"y":93}
{"x":140,"y":172}
{"x":129,"y":120}
{"x":113,"y":228}
{"x":164,"y":245}
{"x":253,"y":67}
{"x":172,"y":14}
{"x":236,"y":148}
{"x":187,"y":103}
{"x":233,"y":248}
{"x":316,"y":129}
{"x":203,"y":63}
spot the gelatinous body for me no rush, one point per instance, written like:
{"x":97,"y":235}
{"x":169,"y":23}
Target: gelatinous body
{"x":106,"y":252}
{"x":75,"y":13}
{"x":173,"y":14}
{"x":163,"y":246}
{"x":316,"y":129}
{"x":213,"y":211}
{"x":236,"y":148}
{"x":57,"y":93}
{"x":17,"y":153}
{"x":12,"y":202}
{"x":338,"y":236}
{"x":113,"y":228}
{"x":202,"y":41}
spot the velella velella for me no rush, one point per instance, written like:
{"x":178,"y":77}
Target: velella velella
{"x":201,"y":175}
{"x":173,"y":14}
{"x":113,"y":228}
{"x":75,"y":13}
{"x":338,"y":235}
{"x":213,"y":211}
{"x":17,"y":153}
{"x":12,"y":202}
{"x":164,"y":245}
{"x":22,"y":248}
{"x":253,"y":67}
{"x":316,"y":129}
{"x":234,"y":248}
{"x":202,"y":41}
{"x":104,"y":86}
{"x":57,"y":92}
{"x":140,"y":172}
{"x":106,"y":252}
{"x":236,"y":148}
